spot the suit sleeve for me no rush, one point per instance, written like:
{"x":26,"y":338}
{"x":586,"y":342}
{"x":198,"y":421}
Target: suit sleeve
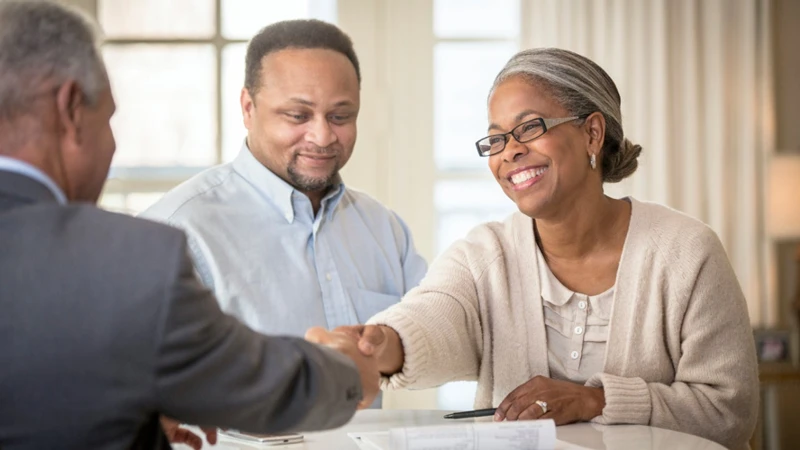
{"x":211,"y":370}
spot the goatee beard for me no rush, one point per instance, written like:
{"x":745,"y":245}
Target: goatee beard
{"x":310,"y":184}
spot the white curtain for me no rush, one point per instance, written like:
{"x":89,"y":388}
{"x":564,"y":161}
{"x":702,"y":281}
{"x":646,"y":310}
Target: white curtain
{"x":695,"y":80}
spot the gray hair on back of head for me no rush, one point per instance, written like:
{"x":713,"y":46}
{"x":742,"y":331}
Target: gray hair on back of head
{"x":42,"y":41}
{"x":582,"y":87}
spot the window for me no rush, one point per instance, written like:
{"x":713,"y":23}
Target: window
{"x":176,"y":68}
{"x":473,"y":40}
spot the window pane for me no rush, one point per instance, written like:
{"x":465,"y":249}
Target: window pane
{"x":139,"y":201}
{"x":131,"y":204}
{"x":463,"y":75}
{"x":463,"y":204}
{"x":156,"y":18}
{"x":112,"y":202}
{"x":165,"y":97}
{"x":241,"y":19}
{"x":233,"y":130}
{"x":476,"y":18}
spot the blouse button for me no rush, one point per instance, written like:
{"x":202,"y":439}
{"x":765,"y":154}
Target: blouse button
{"x":574,"y":355}
{"x":582,"y":305}
{"x":578,"y":330}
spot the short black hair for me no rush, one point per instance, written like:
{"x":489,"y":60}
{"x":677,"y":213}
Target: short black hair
{"x":301,"y":33}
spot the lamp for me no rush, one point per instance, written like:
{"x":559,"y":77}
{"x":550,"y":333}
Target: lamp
{"x":783,"y":203}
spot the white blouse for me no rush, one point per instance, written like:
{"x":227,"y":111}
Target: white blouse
{"x":577,"y":327}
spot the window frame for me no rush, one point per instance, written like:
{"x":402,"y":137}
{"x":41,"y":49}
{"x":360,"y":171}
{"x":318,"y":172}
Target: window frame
{"x":145,"y":179}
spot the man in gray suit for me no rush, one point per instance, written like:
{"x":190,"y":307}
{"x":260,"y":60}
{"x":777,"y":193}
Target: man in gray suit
{"x":103,"y":325}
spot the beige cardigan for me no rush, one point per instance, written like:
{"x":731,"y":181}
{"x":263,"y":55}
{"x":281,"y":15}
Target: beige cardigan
{"x":680,"y":351}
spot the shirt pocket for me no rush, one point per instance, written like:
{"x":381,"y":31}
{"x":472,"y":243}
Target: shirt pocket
{"x":368,"y":303}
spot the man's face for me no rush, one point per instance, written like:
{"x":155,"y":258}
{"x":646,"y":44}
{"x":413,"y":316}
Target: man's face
{"x":302,"y":121}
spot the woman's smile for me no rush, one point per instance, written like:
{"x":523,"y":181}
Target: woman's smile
{"x":525,"y":177}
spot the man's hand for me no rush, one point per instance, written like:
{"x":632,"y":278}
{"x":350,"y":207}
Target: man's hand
{"x":379,"y":341}
{"x":177,"y":435}
{"x":565,"y":402}
{"x":367,"y":365}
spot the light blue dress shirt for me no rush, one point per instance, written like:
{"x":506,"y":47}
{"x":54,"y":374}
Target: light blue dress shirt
{"x":23,"y":168}
{"x":278,"y":268}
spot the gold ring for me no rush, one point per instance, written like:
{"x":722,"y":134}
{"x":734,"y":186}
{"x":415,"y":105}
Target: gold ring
{"x":543,"y":405}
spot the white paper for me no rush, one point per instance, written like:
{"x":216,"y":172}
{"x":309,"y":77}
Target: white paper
{"x":373,"y":440}
{"x":520,"y":435}
{"x":379,"y":440}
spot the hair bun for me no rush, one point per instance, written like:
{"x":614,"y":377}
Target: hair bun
{"x":623,"y":163}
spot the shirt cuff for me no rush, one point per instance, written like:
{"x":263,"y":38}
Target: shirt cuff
{"x":415,"y":349}
{"x":627,"y":399}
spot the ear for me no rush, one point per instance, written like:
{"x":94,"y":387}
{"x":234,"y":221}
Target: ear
{"x":595,"y":126}
{"x":69,"y":105}
{"x":248,"y":105}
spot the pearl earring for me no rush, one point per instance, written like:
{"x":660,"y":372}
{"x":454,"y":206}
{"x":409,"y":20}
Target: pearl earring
{"x":593,"y":162}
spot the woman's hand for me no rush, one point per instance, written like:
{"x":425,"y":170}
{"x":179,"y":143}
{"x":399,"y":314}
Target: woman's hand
{"x":566,"y":402}
{"x":378,"y":340}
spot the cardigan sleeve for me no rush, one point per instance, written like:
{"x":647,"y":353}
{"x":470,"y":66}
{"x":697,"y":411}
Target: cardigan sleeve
{"x":439,"y":325}
{"x":715,"y":389}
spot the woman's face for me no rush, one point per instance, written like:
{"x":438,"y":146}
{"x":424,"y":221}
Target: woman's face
{"x":548,"y":174}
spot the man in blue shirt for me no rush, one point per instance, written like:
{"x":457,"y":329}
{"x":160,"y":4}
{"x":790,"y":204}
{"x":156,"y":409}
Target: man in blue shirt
{"x":284,"y":244}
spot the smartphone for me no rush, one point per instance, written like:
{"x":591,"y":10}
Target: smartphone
{"x":266,"y":439}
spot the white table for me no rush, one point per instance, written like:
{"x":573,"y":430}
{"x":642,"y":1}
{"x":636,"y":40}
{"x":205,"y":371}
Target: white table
{"x":616,"y":437}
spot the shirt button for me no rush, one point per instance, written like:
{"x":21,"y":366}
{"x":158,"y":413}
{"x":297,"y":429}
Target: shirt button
{"x":578,"y":330}
{"x":328,"y":276}
{"x":582,"y":305}
{"x":574,"y":355}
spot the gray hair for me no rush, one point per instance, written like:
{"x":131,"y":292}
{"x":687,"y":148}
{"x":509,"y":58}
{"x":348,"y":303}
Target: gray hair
{"x":582,"y":87}
{"x":43,"y":41}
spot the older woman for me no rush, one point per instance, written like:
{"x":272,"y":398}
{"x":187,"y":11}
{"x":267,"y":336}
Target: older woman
{"x":579,"y":307}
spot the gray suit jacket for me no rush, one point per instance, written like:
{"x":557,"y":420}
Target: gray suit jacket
{"x":103,"y":326}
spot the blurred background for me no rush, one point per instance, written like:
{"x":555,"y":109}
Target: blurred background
{"x":709,"y":89}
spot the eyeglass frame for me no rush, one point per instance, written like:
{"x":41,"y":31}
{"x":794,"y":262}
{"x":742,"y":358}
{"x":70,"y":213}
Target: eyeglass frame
{"x":545,"y":123}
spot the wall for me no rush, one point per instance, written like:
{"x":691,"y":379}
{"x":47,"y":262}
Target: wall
{"x":787,"y":73}
{"x":786,"y":57}
{"x":786,"y":23}
{"x":89,"y":6}
{"x":393,"y":157}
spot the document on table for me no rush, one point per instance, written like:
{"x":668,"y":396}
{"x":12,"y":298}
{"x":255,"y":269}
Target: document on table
{"x":522,"y":435}
{"x":371,"y":440}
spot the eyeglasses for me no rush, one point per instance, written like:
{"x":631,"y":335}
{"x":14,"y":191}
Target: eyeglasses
{"x":524,"y":132}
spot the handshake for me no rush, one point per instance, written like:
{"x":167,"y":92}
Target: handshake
{"x":375,"y":349}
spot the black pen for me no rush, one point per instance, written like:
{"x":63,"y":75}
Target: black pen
{"x":470,"y":414}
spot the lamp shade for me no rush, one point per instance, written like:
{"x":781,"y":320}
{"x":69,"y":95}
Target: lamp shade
{"x":783,"y":202}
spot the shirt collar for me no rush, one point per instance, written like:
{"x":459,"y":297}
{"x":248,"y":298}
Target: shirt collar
{"x":553,"y":291}
{"x":333,"y":197}
{"x":279,"y":191}
{"x":30,"y":171}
